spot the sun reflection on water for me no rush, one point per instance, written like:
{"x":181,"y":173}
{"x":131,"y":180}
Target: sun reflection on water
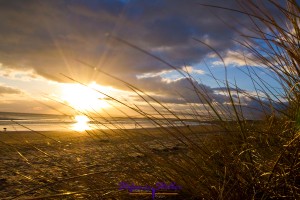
{"x":82,"y":123}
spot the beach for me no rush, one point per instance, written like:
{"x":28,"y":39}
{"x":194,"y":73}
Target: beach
{"x":90,"y":164}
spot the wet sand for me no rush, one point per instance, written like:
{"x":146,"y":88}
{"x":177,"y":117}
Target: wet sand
{"x":89,"y":165}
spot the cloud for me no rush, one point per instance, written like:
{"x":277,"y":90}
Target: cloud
{"x":173,"y":74}
{"x":192,"y":70}
{"x":49,"y":36}
{"x":183,"y":91}
{"x":237,"y":59}
{"x":18,"y":74}
{"x":29,"y":106}
{"x":8,"y":90}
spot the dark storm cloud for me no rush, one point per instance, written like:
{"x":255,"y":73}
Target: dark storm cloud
{"x":49,"y":35}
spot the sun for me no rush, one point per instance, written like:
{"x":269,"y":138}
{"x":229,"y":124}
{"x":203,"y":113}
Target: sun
{"x":82,"y":123}
{"x":83,"y":98}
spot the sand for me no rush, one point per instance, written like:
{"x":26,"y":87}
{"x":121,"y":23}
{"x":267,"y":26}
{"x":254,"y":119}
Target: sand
{"x":88,"y":165}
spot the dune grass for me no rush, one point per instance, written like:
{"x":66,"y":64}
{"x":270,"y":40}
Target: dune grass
{"x":232,"y":158}
{"x":250,"y":159}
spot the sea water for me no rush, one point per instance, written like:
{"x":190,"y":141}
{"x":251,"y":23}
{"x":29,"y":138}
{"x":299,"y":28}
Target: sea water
{"x":45,"y":122}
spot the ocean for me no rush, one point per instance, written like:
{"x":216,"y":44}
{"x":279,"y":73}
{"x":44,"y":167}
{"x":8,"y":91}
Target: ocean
{"x":10,"y":121}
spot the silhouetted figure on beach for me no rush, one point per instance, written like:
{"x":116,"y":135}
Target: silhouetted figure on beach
{"x":4,"y":129}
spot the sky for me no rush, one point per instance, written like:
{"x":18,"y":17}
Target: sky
{"x":46,"y":45}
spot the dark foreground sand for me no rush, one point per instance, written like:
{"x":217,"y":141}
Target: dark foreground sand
{"x":90,"y":165}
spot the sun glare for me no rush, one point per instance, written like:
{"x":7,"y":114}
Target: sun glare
{"x":82,"y":123}
{"x":84,"y":98}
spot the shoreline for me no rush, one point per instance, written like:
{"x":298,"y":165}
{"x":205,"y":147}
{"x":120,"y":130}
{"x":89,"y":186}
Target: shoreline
{"x":18,"y":137}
